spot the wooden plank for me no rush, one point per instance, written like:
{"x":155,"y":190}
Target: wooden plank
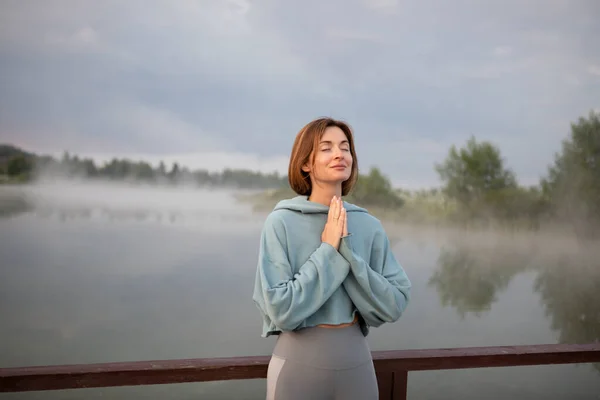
{"x":255,"y":367}
{"x":484,"y":357}
{"x":132,"y":373}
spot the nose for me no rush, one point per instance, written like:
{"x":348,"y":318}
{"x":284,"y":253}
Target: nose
{"x":338,"y":152}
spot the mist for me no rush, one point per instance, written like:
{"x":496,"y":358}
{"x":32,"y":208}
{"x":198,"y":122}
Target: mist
{"x":97,"y":271}
{"x":142,"y":145}
{"x":175,"y":204}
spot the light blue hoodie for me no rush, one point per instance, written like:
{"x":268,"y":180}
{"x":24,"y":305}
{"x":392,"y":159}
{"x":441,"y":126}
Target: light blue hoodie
{"x":303,"y":282}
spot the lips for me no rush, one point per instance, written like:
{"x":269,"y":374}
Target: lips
{"x":339,"y":167}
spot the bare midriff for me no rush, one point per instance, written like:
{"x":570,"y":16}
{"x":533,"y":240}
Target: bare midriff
{"x":355,"y":320}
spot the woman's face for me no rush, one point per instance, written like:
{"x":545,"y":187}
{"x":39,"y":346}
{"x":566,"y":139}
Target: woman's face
{"x":332,"y":158}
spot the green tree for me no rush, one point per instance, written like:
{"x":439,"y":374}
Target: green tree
{"x":174,"y":173}
{"x":89,"y":168}
{"x":162,"y":169}
{"x":573,"y":183}
{"x":477,"y":179}
{"x":472,"y":172}
{"x":375,"y":189}
{"x":19,"y":165}
{"x":144,"y":171}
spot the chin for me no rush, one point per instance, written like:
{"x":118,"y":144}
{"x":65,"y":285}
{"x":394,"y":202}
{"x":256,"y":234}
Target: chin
{"x":340,"y":177}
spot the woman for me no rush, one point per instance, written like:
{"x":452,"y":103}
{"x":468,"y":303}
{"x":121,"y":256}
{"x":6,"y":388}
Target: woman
{"x":325,"y":274}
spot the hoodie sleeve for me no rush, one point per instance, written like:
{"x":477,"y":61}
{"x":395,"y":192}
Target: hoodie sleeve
{"x":380,"y":290}
{"x":288,"y":298}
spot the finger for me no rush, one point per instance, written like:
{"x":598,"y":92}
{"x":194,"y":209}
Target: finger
{"x":338,"y":209}
{"x":342,"y":220}
{"x":330,"y":212}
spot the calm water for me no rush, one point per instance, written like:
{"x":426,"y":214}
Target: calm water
{"x":98,"y":274}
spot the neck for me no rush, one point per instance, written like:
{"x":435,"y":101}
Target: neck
{"x":323,"y":195}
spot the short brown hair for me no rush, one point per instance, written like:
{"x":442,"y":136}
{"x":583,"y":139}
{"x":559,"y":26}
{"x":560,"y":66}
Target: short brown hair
{"x":307,"y":141}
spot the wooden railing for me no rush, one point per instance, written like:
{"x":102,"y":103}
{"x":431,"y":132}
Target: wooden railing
{"x":392,"y":368}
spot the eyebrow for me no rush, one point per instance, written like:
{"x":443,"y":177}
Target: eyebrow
{"x":330,"y":142}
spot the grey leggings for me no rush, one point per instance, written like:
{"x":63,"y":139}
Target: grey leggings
{"x":322,"y":363}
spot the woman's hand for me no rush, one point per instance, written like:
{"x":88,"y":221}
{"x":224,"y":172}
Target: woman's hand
{"x":336,"y":220}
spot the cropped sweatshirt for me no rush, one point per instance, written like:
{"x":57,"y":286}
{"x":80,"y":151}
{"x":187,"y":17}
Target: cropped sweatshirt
{"x":303,"y":282}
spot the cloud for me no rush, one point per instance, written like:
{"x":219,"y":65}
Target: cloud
{"x":594,"y":70}
{"x":502,"y":51}
{"x":387,"y":6}
{"x":237,"y":77}
{"x":83,"y":38}
{"x":142,"y":123}
{"x":353,"y":35}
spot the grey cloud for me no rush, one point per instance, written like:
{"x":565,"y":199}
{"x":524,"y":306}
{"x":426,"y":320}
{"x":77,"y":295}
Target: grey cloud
{"x":245,"y":76}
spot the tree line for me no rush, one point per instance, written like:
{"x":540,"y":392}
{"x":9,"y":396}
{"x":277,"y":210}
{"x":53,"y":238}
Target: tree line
{"x":21,"y":166}
{"x":478,"y":188}
{"x":484,"y":189}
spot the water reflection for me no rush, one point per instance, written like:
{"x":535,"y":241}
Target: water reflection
{"x":14,"y":205}
{"x":569,"y":289}
{"x":470,"y":278}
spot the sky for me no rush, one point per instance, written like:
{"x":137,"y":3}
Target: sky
{"x":228,"y":83}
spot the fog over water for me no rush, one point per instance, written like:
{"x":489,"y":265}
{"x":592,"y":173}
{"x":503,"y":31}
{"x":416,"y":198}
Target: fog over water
{"x":102,"y":272}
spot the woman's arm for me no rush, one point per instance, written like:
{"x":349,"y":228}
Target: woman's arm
{"x":288,"y":298}
{"x":380,"y":290}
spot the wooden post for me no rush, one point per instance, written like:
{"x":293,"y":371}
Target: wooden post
{"x":400,"y":385}
{"x":393,"y":385}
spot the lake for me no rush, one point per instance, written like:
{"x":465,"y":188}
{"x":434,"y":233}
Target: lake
{"x":102,"y":273}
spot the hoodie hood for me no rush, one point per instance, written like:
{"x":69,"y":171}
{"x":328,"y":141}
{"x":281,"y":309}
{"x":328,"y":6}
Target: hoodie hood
{"x":302,"y":204}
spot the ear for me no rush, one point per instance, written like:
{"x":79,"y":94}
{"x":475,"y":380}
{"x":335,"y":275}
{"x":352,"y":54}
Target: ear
{"x":306,"y":168}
